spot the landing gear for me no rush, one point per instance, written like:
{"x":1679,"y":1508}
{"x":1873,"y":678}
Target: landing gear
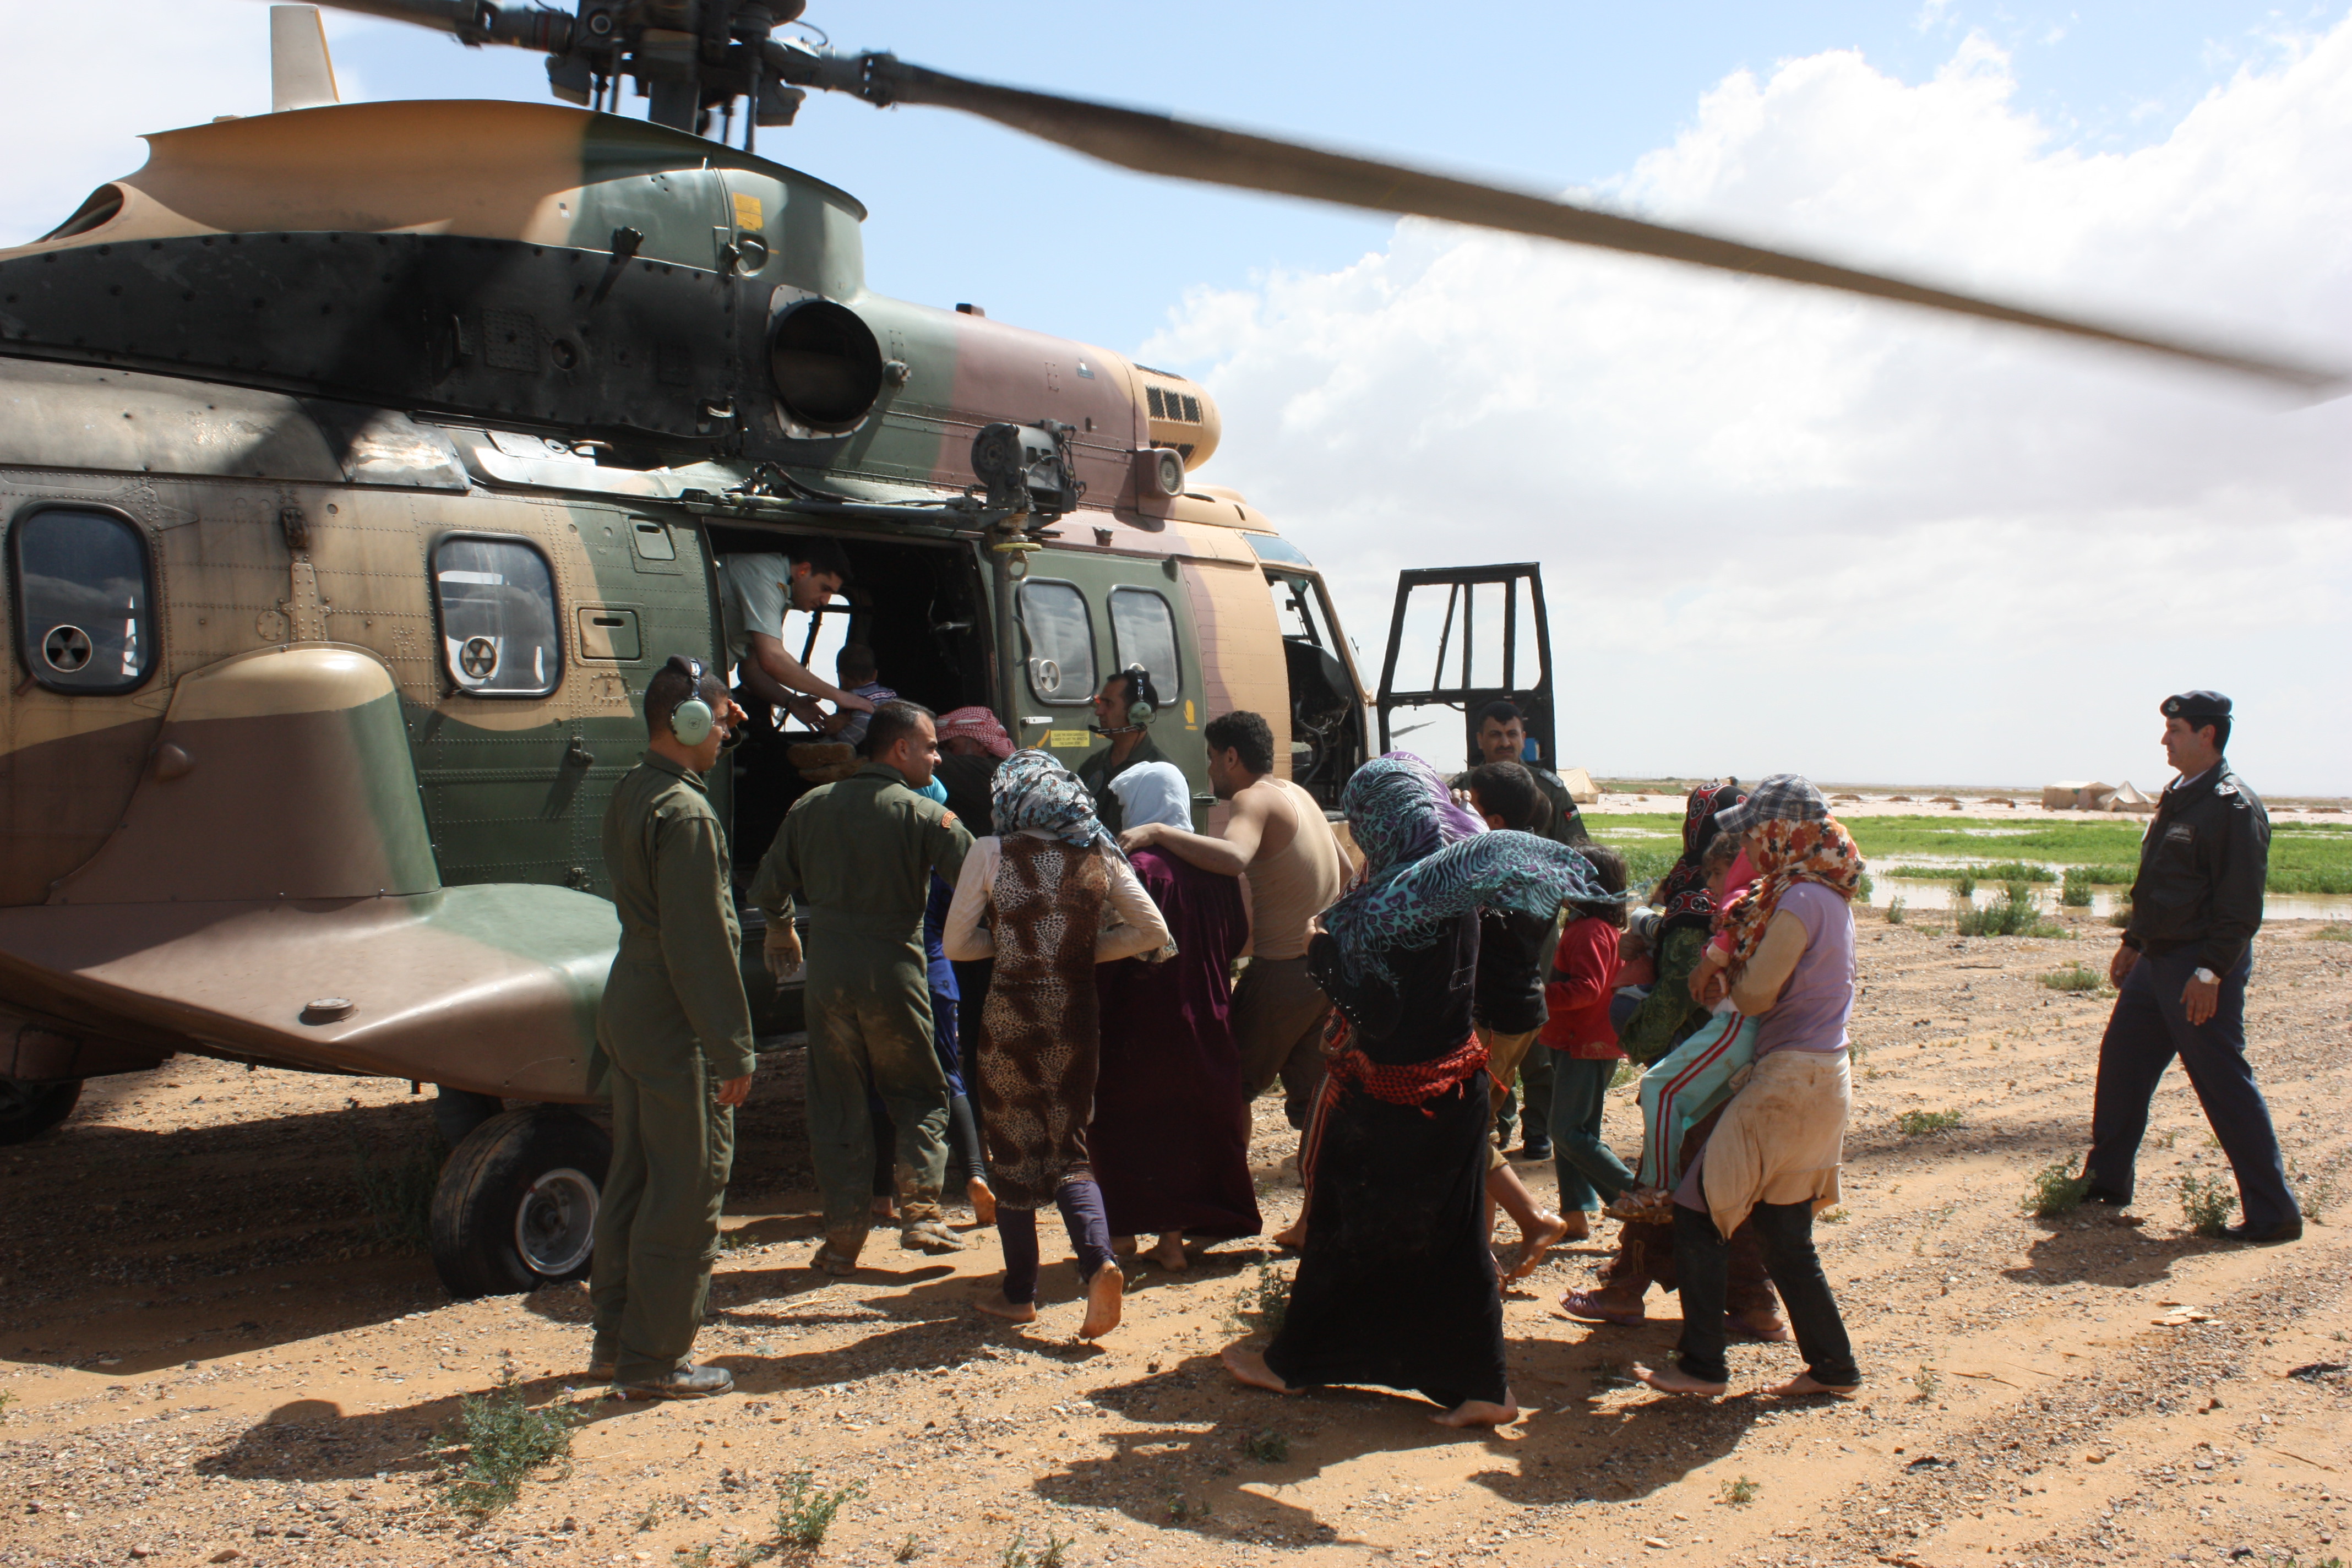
{"x":516,"y":1207}
{"x":29,"y":1110}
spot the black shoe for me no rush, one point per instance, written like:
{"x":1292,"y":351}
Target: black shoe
{"x":685,"y":1383}
{"x":2269,"y":1234}
{"x":2104,"y":1196}
{"x":1535,"y":1152}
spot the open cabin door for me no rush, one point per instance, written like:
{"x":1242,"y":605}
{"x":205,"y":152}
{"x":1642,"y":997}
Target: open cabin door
{"x":1481,"y":633}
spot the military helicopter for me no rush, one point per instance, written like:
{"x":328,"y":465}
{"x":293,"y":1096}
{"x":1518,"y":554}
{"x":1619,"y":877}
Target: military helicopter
{"x":354,"y":484}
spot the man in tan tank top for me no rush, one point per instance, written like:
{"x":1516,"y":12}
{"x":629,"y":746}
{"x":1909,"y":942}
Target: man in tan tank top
{"x":1279,"y":838}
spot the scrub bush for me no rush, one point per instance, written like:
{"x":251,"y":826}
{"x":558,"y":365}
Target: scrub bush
{"x":2076,"y":977}
{"x":2055,"y":1190}
{"x":503,"y":1439}
{"x":805,"y":1509}
{"x":2207,"y":1202}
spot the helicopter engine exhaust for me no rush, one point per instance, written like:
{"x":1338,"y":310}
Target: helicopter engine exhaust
{"x":826,"y":365}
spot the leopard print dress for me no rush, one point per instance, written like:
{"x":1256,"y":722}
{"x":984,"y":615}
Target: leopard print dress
{"x":1038,"y":1040}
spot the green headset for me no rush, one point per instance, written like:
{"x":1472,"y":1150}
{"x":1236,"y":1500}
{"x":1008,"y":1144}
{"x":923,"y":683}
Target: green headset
{"x":691,"y":721}
{"x":1138,"y":702}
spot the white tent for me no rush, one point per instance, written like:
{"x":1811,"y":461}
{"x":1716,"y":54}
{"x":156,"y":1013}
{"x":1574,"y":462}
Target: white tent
{"x":1580,"y":787}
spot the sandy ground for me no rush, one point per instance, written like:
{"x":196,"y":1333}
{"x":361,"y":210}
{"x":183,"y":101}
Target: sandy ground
{"x":212,"y":1360}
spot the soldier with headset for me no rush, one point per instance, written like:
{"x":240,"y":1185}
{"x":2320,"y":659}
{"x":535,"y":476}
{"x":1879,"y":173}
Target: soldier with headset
{"x":1122,"y":709}
{"x":674,"y":1039}
{"x":2181,"y":972}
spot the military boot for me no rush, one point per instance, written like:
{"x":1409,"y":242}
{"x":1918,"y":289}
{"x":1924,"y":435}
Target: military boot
{"x":838,"y":1255}
{"x":688,"y":1381}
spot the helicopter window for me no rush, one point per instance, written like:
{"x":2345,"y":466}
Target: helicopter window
{"x":83,"y":618}
{"x":1061,"y":642}
{"x":1299,"y":611}
{"x":500,"y":635}
{"x":1143,"y":631}
{"x":1273,"y":547}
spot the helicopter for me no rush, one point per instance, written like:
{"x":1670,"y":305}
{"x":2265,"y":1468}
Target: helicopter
{"x":354,"y":486}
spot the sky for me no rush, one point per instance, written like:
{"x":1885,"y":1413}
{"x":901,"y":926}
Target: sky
{"x":1779,"y":530}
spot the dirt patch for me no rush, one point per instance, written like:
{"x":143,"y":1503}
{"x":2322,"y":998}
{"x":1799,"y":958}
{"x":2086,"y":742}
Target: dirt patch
{"x":211,"y":1349}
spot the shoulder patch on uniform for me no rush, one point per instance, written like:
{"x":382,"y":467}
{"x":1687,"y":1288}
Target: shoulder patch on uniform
{"x":946,"y":818}
{"x":2225,"y":787}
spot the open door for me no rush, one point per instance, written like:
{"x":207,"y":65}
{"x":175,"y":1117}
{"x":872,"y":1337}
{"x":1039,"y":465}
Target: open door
{"x":1482,"y":635}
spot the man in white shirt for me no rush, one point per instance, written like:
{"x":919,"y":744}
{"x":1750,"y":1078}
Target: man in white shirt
{"x":754,"y":592}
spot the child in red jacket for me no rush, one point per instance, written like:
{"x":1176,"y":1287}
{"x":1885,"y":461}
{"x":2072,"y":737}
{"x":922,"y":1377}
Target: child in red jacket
{"x":1584,"y":1043}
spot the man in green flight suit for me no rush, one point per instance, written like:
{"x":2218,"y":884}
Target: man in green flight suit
{"x":1122,"y":708}
{"x":862,"y":851}
{"x":673,"y":1032}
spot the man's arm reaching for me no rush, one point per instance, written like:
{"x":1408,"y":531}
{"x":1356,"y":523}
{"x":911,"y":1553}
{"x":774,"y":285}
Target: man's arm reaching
{"x":1228,"y":857}
{"x":768,"y":654}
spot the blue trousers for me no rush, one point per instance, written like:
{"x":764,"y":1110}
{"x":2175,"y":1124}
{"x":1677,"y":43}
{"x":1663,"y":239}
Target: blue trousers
{"x":2149,"y":1029}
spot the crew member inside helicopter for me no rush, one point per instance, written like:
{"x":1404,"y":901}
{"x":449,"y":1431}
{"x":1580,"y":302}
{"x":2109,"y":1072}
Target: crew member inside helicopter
{"x":754,"y":592}
{"x":1123,"y":710}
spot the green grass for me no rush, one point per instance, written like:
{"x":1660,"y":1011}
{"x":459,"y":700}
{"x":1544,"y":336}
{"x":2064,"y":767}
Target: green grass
{"x":2335,"y":931}
{"x":2076,"y":893}
{"x":1053,"y":1554}
{"x":2055,"y":1190}
{"x":2017,"y":912}
{"x":2074,"y":977}
{"x":1895,"y":909}
{"x":1268,"y":1303}
{"x":1920,"y":1123}
{"x":2207,"y":1202}
{"x":503,"y":1439}
{"x":1740,"y":1493}
{"x":805,"y":1510}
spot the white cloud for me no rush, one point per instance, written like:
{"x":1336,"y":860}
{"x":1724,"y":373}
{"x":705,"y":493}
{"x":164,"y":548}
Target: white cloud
{"x":1786,"y":530}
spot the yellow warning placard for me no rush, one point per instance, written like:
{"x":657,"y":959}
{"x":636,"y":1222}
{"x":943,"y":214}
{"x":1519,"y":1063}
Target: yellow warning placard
{"x":1065,"y":740}
{"x":747,"y":212}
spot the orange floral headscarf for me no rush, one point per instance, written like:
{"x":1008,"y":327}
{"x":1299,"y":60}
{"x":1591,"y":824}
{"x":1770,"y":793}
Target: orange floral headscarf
{"x":1791,"y":852}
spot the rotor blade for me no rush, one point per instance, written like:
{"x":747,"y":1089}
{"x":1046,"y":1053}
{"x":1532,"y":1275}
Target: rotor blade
{"x":1162,"y":144}
{"x":473,"y":21}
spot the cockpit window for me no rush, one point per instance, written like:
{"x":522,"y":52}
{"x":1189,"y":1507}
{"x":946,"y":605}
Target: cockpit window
{"x":84,"y":617}
{"x":500,"y":634}
{"x":1143,"y":631}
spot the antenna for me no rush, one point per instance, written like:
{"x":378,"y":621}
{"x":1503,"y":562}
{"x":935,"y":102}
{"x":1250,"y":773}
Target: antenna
{"x":300,"y":74}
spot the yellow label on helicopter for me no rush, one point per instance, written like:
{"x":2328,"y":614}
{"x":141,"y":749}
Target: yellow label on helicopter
{"x":748,"y":211}
{"x":1065,"y":740}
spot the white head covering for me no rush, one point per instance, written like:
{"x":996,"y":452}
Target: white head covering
{"x":1153,"y":792}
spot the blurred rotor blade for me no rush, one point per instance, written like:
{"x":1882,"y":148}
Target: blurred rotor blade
{"x":473,"y":21}
{"x":1160,"y":144}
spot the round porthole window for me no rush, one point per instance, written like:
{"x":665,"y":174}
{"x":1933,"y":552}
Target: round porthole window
{"x":67,"y":649}
{"x":479,"y":659}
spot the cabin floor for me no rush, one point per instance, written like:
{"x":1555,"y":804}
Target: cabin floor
{"x":210,"y":1354}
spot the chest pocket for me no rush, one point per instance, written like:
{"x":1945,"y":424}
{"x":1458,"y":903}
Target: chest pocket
{"x":2179,"y":846}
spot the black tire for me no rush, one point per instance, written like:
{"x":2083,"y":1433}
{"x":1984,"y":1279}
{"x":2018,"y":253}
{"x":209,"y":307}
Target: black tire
{"x":516,"y":1207}
{"x":29,"y":1110}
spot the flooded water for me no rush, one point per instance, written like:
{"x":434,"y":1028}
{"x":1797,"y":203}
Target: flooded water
{"x":1888,"y":883}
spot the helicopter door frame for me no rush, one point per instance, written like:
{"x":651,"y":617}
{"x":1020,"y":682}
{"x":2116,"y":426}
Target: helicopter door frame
{"x":1535,"y":701}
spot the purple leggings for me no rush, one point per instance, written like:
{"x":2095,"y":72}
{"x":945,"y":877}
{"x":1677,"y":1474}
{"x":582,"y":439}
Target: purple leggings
{"x":1080,"y":1201}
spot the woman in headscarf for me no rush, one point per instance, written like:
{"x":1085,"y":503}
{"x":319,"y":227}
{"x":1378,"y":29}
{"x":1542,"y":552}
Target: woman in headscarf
{"x":1056,"y":898}
{"x":1395,"y":1286}
{"x":1774,"y":1155}
{"x":1170,"y":1134}
{"x":973,"y":744}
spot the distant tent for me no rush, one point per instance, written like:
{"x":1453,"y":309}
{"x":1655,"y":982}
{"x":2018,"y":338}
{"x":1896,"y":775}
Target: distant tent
{"x":1580,"y":787}
{"x":2127,"y":798}
{"x":2077,"y":794}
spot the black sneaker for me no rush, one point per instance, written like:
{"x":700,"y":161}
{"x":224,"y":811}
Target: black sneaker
{"x":1532,"y":1152}
{"x":2268,"y":1235}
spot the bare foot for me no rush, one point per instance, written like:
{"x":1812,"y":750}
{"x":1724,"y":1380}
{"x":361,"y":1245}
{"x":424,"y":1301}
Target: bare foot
{"x":996,"y":1304}
{"x":1580,"y":1226}
{"x":1249,"y":1366}
{"x":1549,"y":1231}
{"x":1170,"y":1253}
{"x":1674,"y":1379}
{"x":1479,"y":1413}
{"x":983,"y":1200}
{"x":1293,"y":1236}
{"x":1803,"y":1384}
{"x":1103,"y":1293}
{"x":886,"y":1209}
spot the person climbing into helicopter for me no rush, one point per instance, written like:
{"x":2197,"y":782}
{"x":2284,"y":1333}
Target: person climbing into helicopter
{"x":1122,"y":709}
{"x":755,"y":589}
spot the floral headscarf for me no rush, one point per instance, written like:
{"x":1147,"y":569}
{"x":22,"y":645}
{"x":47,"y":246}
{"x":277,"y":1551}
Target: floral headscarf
{"x":1683,"y":893}
{"x":1033,"y":790}
{"x":1429,"y":861}
{"x":976,"y":724}
{"x":1792,"y":852}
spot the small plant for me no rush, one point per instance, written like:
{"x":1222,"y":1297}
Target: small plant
{"x":1896,"y":910}
{"x":1865,"y":887}
{"x":1268,"y":1448}
{"x":1270,"y":1300}
{"x":1920,"y":1123}
{"x":2168,"y":1137}
{"x":746,"y":1553}
{"x":1739,"y":1493}
{"x":2207,"y":1202}
{"x":2334,"y":931}
{"x":2055,"y":1190}
{"x":398,"y":1196}
{"x":2120,"y":916}
{"x":650,"y":1515}
{"x":1055,"y":1553}
{"x":2077,"y":977}
{"x":1626,"y":1073}
{"x":503,"y":1439}
{"x":2017,"y":912}
{"x":1966,"y":886}
{"x":907,"y":1551}
{"x":1835,"y":1217}
{"x":1925,"y":1381}
{"x":2074,"y":893}
{"x":690,"y":1556}
{"x":805,"y":1509}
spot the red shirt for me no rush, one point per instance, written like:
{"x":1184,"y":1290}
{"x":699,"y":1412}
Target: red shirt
{"x":1584,"y":980}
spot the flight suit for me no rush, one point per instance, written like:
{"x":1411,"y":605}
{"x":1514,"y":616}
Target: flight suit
{"x":860,"y":854}
{"x":2196,"y":903}
{"x":673,"y":1024}
{"x":1094,"y":772}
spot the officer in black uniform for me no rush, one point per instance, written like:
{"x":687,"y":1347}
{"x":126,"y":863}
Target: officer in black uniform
{"x":2182,"y":970}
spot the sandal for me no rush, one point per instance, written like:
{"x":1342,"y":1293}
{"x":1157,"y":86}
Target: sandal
{"x":930,"y":1235}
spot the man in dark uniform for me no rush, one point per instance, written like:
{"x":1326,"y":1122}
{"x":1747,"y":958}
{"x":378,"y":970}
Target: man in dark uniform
{"x":2182,"y":971}
{"x":862,"y":852}
{"x":1122,"y":708}
{"x":673,"y":1032}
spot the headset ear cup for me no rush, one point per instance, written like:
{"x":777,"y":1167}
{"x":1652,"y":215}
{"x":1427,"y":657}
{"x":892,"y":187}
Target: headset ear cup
{"x":692,"y":722}
{"x":1139,"y":712}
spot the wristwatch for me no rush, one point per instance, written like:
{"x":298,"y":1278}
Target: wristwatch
{"x":2205,"y":976}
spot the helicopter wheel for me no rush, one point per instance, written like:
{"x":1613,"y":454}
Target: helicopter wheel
{"x":29,"y":1110}
{"x":515,"y":1206}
